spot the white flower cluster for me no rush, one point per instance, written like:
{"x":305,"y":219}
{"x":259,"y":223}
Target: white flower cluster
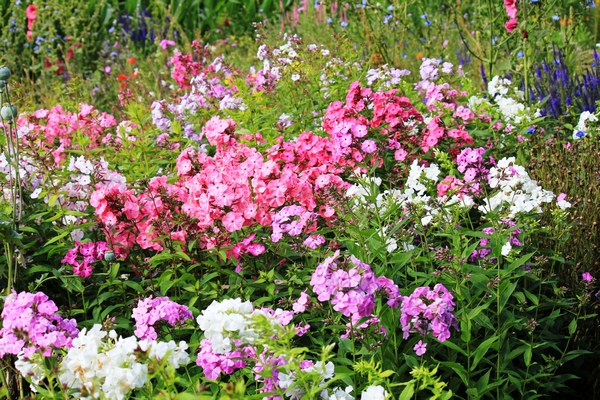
{"x":416,"y":193}
{"x":516,"y":190}
{"x":511,"y":109}
{"x":374,"y":392}
{"x":31,"y":368}
{"x":100,"y":362}
{"x":325,"y":371}
{"x":583,"y":125}
{"x":227,"y":320}
{"x":340,"y":394}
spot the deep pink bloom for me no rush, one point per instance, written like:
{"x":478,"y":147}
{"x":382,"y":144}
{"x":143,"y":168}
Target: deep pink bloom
{"x":31,"y":14}
{"x":511,"y":24}
{"x":511,"y":8}
{"x":587,"y":277}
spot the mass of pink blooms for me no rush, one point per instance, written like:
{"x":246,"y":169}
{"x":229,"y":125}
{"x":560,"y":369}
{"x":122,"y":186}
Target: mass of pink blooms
{"x":30,"y":324}
{"x":351,"y":286}
{"x":83,"y":255}
{"x":52,"y":132}
{"x":428,"y":311}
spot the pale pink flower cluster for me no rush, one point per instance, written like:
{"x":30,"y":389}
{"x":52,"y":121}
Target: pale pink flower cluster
{"x":31,"y":324}
{"x":292,"y":220}
{"x":51,"y":132}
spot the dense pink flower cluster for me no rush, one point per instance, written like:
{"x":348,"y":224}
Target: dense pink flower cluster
{"x":51,"y":132}
{"x":428,"y":311}
{"x":368,"y":124}
{"x":351,"y":286}
{"x":150,"y":312}
{"x":213,"y":363}
{"x":216,"y":195}
{"x":83,"y":255}
{"x":184,"y":68}
{"x":30,"y":324}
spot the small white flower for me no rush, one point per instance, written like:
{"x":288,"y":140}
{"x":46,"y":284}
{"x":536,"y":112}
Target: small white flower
{"x":374,"y":393}
{"x":36,"y":193}
{"x":506,"y":249}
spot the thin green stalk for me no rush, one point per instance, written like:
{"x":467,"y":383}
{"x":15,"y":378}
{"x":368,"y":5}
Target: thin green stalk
{"x":499,"y":330}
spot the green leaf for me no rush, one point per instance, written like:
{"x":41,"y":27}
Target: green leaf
{"x":459,"y":369}
{"x":408,"y":392}
{"x":134,"y":285}
{"x":527,"y":356}
{"x":454,"y":346}
{"x":57,"y":238}
{"x":506,"y":290}
{"x":572,"y":326}
{"x":483,"y":382}
{"x":482,"y":350}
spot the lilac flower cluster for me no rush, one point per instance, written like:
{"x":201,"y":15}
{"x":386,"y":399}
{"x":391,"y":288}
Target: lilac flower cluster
{"x":91,"y":252}
{"x":427,"y":310}
{"x":470,"y":163}
{"x":151,"y":311}
{"x":351,"y":291}
{"x":30,"y":324}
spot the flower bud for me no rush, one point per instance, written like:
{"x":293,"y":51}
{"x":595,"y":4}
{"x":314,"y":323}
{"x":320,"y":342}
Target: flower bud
{"x":109,"y":256}
{"x":4,"y":73}
{"x":8,"y":113}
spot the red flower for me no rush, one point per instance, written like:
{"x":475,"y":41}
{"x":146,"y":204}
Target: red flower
{"x":131,"y":60}
{"x":31,"y":13}
{"x":511,"y":24}
{"x":122,"y":77}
